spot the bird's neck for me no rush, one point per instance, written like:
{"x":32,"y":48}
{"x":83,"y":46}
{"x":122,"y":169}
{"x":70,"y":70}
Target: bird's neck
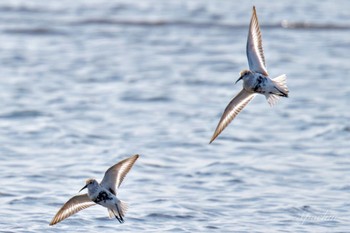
{"x":94,"y":190}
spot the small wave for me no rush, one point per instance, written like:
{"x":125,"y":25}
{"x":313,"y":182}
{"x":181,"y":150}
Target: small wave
{"x":222,"y":164}
{"x":235,"y":181}
{"x":34,"y":31}
{"x":305,"y":25}
{"x":168,"y":216}
{"x":22,"y":9}
{"x":212,"y":227}
{"x":345,"y":188}
{"x":346,"y":128}
{"x":26,"y":9}
{"x":22,"y":114}
{"x":300,"y":209}
{"x":205,"y":24}
{"x":6,"y":194}
{"x":24,"y":200}
{"x":146,"y":99}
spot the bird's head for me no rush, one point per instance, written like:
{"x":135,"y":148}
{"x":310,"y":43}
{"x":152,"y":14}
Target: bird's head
{"x":89,"y":183}
{"x":243,"y":74}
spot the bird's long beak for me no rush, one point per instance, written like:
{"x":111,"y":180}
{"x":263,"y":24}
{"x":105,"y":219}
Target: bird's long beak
{"x":83,"y":188}
{"x":240,"y":78}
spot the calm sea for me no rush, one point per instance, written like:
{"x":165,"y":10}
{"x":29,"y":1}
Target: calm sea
{"x":86,"y":83}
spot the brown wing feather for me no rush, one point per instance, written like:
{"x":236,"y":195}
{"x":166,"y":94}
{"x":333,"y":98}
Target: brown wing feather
{"x":255,"y":52}
{"x":233,"y":108}
{"x":114,"y":176}
{"x":72,"y":206}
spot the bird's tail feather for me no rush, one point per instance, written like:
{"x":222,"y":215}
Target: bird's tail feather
{"x":272,"y":99}
{"x":110,"y":213}
{"x":281,"y":90}
{"x":123,"y":207}
{"x":281,"y":84}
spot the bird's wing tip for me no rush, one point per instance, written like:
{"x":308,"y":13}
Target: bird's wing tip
{"x":254,"y":11}
{"x":214,"y":137}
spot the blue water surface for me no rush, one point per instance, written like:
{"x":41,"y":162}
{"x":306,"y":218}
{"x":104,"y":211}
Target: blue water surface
{"x":86,"y":83}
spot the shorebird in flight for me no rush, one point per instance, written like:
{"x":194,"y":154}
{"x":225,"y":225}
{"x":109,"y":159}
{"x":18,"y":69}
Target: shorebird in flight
{"x":255,"y":80}
{"x":104,"y":193}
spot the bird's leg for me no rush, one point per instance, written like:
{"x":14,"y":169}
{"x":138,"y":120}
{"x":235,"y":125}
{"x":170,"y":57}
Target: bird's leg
{"x":120,"y":218}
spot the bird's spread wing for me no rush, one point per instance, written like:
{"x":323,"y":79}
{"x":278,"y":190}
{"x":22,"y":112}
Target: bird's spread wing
{"x":232,"y":110}
{"x":255,"y":52}
{"x":71,"y":207}
{"x":114,"y":176}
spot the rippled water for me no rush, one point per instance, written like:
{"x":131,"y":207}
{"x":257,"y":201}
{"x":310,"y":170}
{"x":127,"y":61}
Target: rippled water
{"x":84,"y":84}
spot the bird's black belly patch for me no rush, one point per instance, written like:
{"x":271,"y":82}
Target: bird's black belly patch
{"x":260,"y":83}
{"x":102,"y":196}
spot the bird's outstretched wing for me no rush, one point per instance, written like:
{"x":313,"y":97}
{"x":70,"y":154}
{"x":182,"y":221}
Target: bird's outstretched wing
{"x":232,"y":110}
{"x":114,"y":176}
{"x":255,"y":52}
{"x":72,"y":206}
